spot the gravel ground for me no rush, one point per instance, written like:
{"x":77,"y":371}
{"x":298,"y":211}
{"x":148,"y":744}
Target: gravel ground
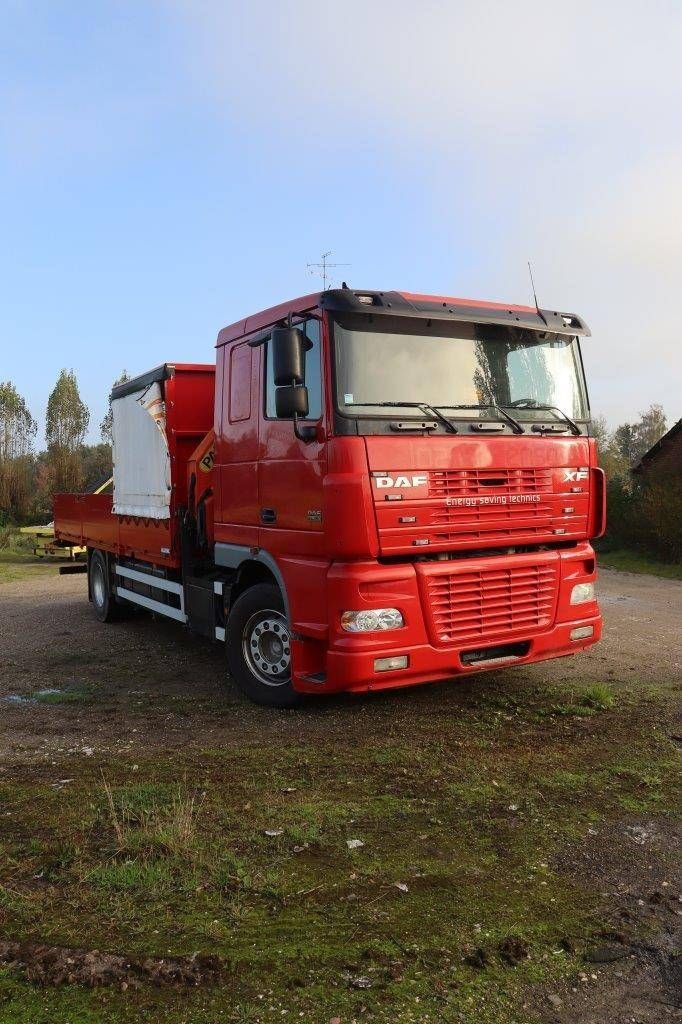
{"x":156,"y":685}
{"x":144,"y":686}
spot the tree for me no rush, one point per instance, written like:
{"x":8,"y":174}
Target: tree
{"x":17,"y":434}
{"x":600,"y":430}
{"x":610,"y":458}
{"x":105,"y":427}
{"x":66,"y":426}
{"x":624,"y":442}
{"x":650,"y":429}
{"x":96,"y":465}
{"x":630,"y":441}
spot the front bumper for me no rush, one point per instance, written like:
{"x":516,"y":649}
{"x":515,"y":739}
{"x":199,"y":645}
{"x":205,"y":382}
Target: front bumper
{"x":355,"y":672}
{"x":348,"y":661}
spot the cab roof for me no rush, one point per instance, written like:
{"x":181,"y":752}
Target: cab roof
{"x":426,"y":307}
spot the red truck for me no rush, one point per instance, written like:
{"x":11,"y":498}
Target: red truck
{"x":369,"y":489}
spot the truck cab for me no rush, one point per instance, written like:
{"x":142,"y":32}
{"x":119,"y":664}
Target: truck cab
{"x":415,"y":476}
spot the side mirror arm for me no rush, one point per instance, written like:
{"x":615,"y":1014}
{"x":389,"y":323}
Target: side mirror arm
{"x":306,"y":435}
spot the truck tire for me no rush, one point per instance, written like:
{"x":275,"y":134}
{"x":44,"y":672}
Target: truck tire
{"x":259,"y":647}
{"x":99,"y":588}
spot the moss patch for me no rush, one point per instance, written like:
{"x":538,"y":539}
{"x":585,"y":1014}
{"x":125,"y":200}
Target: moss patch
{"x":244,"y":852}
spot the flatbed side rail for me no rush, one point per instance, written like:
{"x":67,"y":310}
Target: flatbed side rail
{"x":85,"y":519}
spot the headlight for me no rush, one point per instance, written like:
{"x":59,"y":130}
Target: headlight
{"x":582,"y":592}
{"x":372,"y":621}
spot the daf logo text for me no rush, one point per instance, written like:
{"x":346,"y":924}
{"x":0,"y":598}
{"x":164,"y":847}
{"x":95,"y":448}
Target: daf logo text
{"x":401,"y":481}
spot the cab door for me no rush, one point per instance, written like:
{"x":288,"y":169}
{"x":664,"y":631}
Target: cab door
{"x":290,"y":471}
{"x":235,"y":473}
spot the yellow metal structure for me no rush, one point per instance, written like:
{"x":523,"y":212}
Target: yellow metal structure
{"x":44,"y":542}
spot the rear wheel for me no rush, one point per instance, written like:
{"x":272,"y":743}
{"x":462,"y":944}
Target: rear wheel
{"x":259,"y":647}
{"x":100,"y":589}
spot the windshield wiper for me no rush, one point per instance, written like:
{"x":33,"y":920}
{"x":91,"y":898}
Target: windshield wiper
{"x":432,"y":410}
{"x":530,"y":403}
{"x":514,"y":424}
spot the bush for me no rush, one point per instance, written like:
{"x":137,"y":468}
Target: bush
{"x":661,"y":507}
{"x":646,"y":516}
{"x":623,"y":521}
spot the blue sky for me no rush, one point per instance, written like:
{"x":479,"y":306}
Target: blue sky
{"x":167,"y":167}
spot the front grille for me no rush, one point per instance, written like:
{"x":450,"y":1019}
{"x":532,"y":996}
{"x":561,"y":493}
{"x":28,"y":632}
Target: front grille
{"x":461,"y":514}
{"x":486,"y":603}
{"x":448,"y":483}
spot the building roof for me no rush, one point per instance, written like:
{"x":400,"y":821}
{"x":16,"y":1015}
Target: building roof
{"x":655,"y":449}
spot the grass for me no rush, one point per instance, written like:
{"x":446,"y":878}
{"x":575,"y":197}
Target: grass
{"x":633,"y":561}
{"x":590,"y":701}
{"x":17,"y":561}
{"x":465,"y":823}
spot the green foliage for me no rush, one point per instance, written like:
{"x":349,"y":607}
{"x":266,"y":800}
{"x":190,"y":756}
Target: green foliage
{"x":595,"y":698}
{"x":97,"y":465}
{"x":645,"y":516}
{"x":599,"y":696}
{"x":644,"y":513}
{"x":629,"y":441}
{"x":105,"y":427}
{"x":660,"y":506}
{"x":17,"y":434}
{"x":65,"y":429}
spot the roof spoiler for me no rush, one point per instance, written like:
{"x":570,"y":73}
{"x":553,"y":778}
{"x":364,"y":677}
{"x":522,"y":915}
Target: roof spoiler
{"x":352,"y":300}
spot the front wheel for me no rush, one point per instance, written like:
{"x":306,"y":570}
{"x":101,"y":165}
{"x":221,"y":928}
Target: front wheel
{"x":259,"y":647}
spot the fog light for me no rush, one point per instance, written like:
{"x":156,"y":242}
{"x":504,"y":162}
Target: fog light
{"x":582,"y":632}
{"x":582,"y":592}
{"x":389,"y":664}
{"x":373,"y":620}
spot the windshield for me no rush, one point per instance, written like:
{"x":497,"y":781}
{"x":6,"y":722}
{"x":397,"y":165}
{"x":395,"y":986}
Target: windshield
{"x":450,"y":365}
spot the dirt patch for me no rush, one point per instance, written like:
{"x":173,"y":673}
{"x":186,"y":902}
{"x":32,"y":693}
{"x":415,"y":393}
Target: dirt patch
{"x":60,"y":965}
{"x":633,"y":970}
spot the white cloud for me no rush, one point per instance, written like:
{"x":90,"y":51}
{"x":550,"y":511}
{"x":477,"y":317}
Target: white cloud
{"x":481,"y":67}
{"x":559,"y":124}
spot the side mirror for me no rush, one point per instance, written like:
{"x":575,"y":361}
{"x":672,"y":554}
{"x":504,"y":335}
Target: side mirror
{"x":289,"y":346}
{"x":291,"y":400}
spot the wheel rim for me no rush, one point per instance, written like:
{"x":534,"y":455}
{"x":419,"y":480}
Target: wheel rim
{"x":98,"y":587}
{"x":266,"y":645}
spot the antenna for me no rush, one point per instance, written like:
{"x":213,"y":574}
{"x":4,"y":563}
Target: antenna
{"x":322,"y":268}
{"x":535,"y":298}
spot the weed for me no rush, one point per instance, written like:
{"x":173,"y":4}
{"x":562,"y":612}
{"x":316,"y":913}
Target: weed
{"x":150,"y":879}
{"x":593,"y":699}
{"x":598,"y":696}
{"x":146,"y":825}
{"x":80,"y":695}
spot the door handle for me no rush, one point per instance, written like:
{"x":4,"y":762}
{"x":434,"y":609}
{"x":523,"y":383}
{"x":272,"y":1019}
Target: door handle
{"x":268,"y":515}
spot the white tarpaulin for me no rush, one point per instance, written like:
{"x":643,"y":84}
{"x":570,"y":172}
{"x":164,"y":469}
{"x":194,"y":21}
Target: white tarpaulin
{"x":142,"y":483}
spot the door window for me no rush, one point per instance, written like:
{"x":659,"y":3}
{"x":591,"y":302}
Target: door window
{"x":240,"y":383}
